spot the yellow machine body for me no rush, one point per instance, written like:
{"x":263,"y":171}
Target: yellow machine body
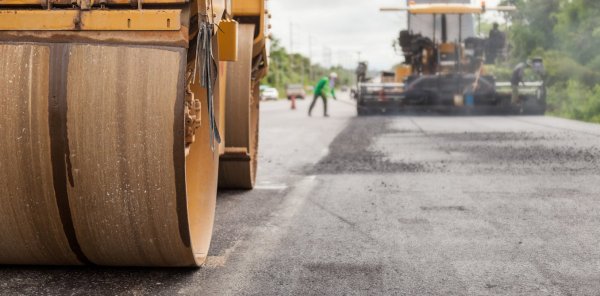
{"x":443,"y":8}
{"x":73,"y":20}
{"x":447,"y":48}
{"x":402,"y":72}
{"x":254,"y":12}
{"x":228,"y":40}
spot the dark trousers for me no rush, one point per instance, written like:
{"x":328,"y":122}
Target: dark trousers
{"x":515,"y":94}
{"x":314,"y":102}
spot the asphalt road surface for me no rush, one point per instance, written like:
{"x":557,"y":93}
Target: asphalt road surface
{"x":392,"y":205}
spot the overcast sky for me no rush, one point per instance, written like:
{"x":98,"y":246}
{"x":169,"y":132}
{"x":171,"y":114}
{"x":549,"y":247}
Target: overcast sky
{"x":340,"y":29}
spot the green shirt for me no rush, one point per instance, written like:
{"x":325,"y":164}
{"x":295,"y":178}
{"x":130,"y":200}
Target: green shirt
{"x":323,"y":89}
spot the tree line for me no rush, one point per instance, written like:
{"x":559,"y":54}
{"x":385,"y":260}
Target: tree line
{"x":566,"y":33}
{"x":294,"y":68}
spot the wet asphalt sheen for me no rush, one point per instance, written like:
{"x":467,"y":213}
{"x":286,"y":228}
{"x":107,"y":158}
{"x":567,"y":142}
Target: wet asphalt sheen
{"x":388,"y":205}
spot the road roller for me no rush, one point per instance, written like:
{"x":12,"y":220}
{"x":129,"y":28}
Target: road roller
{"x":120,"y":119}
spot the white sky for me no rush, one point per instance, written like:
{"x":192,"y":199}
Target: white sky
{"x":342,"y":28}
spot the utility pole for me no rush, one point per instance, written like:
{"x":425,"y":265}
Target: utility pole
{"x":291,"y":48}
{"x":291,"y":37}
{"x":310,"y":63}
{"x":277,"y":73}
{"x":327,"y":57}
{"x":303,"y":71}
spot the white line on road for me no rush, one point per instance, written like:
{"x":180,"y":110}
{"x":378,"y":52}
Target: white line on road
{"x":268,"y":185}
{"x":264,"y":241}
{"x":274,"y":187}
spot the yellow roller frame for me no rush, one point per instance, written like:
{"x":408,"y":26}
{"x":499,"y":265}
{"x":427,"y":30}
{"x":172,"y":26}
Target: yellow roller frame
{"x":247,"y":8}
{"x":108,"y":2}
{"x":96,"y":20}
{"x":253,"y":8}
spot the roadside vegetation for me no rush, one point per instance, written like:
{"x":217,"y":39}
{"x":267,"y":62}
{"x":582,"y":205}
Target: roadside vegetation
{"x":286,"y":68}
{"x":566,"y":33}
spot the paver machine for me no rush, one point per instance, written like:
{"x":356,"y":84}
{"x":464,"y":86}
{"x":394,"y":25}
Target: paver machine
{"x":444,"y":65}
{"x":120,"y":118}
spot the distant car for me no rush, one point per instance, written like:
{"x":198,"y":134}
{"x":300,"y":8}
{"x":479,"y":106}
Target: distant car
{"x":269,"y":93}
{"x":263,"y":87}
{"x":295,"y":90}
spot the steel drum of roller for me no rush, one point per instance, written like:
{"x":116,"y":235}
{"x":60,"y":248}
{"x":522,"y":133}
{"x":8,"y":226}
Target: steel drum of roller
{"x":238,"y":164}
{"x":93,"y":166}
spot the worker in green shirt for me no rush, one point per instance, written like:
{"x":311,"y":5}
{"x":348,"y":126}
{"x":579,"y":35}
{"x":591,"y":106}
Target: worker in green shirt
{"x":324,"y":88}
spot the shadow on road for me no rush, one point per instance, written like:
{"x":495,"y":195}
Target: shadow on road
{"x":92,"y":280}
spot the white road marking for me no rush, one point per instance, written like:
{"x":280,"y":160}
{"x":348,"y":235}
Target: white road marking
{"x":275,"y":187}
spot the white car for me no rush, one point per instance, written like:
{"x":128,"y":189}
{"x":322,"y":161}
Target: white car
{"x":270,"y":94}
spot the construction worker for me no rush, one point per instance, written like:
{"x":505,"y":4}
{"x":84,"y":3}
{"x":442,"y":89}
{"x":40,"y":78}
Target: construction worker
{"x":361,"y":72}
{"x":517,"y":78}
{"x":324,"y":88}
{"x":495,"y":45}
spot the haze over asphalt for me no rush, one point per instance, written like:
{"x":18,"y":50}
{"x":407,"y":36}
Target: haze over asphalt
{"x":408,"y":205}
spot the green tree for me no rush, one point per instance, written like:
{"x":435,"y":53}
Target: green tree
{"x":578,"y":29}
{"x":566,"y":33}
{"x":286,"y":68}
{"x":532,"y":26}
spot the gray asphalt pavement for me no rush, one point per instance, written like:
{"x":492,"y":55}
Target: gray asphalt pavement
{"x":389,"y":205}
